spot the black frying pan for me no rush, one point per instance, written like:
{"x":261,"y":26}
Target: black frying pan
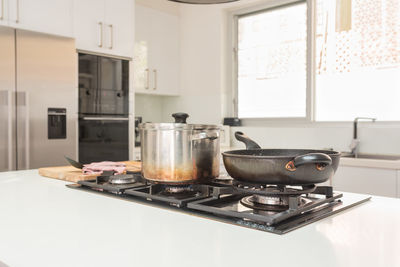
{"x":279,"y":166}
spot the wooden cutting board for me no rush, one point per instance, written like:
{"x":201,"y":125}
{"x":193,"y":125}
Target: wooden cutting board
{"x":72,"y":174}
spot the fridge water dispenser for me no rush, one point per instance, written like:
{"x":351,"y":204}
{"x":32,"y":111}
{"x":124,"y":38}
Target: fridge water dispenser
{"x":57,"y":123}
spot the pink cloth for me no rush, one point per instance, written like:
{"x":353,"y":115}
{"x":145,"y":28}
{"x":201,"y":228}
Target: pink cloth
{"x":99,"y":167}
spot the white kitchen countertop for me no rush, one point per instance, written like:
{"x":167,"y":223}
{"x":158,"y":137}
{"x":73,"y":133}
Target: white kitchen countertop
{"x":44,"y":223}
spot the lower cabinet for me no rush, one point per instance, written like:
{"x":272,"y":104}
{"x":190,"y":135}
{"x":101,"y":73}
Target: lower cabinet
{"x":372,"y":181}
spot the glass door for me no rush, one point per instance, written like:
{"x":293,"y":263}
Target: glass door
{"x":114,"y":86}
{"x":89,"y":97}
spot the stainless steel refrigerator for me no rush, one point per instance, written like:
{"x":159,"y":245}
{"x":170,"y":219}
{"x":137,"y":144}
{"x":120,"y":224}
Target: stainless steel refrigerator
{"x":38,"y":99}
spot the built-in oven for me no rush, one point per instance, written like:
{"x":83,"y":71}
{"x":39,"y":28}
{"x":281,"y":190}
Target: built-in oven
{"x":103,"y":85}
{"x":103,"y":108}
{"x":103,"y":138}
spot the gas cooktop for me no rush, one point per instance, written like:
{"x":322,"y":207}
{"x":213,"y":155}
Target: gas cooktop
{"x":270,"y":208}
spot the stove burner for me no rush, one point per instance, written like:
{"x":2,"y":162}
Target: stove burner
{"x":266,"y":203}
{"x":177,"y":189}
{"x":266,"y":200}
{"x":122,"y":179}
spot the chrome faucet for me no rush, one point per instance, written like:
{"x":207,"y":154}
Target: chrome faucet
{"x":355,"y":142}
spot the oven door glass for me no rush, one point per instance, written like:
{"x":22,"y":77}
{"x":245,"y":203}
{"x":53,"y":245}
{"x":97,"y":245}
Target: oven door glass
{"x":103,"y":139}
{"x":103,"y":85}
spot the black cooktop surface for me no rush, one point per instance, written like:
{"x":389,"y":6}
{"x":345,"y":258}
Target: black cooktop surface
{"x":267,"y":208}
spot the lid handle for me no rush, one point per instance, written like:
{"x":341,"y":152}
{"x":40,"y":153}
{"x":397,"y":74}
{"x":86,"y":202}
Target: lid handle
{"x":180,"y":117}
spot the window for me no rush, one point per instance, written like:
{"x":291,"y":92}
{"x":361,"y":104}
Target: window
{"x":358,"y":59}
{"x":272,"y":63}
{"x":356,"y":65}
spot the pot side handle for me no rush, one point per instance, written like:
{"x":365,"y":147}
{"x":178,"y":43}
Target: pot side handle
{"x":250,"y":144}
{"x":203,"y":136}
{"x":312,"y":158}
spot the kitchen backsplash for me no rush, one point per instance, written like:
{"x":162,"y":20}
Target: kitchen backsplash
{"x":377,"y":139}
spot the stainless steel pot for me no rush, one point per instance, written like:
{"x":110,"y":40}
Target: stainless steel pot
{"x":179,"y":153}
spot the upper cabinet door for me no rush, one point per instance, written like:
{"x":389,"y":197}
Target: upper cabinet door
{"x":4,"y":12}
{"x":156,"y":61}
{"x":105,"y":26}
{"x":142,"y":50}
{"x":89,"y":25}
{"x":166,"y":58}
{"x":46,"y":16}
{"x":119,"y":27}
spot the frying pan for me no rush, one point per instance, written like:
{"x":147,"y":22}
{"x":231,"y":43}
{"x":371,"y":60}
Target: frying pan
{"x":279,"y":166}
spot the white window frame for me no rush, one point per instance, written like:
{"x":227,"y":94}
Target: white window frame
{"x":310,"y":61}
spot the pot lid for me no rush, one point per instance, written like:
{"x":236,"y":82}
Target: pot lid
{"x":177,"y":126}
{"x":203,"y":1}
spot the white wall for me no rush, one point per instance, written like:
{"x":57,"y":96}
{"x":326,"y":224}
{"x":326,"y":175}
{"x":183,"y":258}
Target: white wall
{"x":149,"y":107}
{"x":162,"y":5}
{"x":381,"y":139}
{"x":200,"y":57}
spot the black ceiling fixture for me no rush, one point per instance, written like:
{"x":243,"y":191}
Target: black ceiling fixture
{"x":203,"y":2}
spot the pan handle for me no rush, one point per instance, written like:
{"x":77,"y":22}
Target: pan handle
{"x":320,"y":159}
{"x":316,"y":158}
{"x":250,"y":144}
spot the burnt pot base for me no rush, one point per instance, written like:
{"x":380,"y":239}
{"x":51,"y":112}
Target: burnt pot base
{"x":181,"y":182}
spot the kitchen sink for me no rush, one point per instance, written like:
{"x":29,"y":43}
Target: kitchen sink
{"x":372,"y":156}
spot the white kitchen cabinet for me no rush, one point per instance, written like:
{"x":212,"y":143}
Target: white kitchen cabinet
{"x":46,"y":16}
{"x":373,"y":181}
{"x":156,"y":60}
{"x":119,"y":18}
{"x":4,"y":12}
{"x":89,"y":24}
{"x":105,"y":26}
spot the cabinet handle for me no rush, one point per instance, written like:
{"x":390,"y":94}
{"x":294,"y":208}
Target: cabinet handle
{"x":111,"y":36}
{"x":2,"y":10}
{"x":17,"y":11}
{"x":100,"y":44}
{"x":147,"y":79}
{"x":155,"y":79}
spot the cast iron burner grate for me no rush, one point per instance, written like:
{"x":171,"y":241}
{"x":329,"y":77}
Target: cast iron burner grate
{"x":175,"y":195}
{"x":231,"y":206}
{"x":273,"y":190}
{"x":273,"y":197}
{"x":105,"y":183}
